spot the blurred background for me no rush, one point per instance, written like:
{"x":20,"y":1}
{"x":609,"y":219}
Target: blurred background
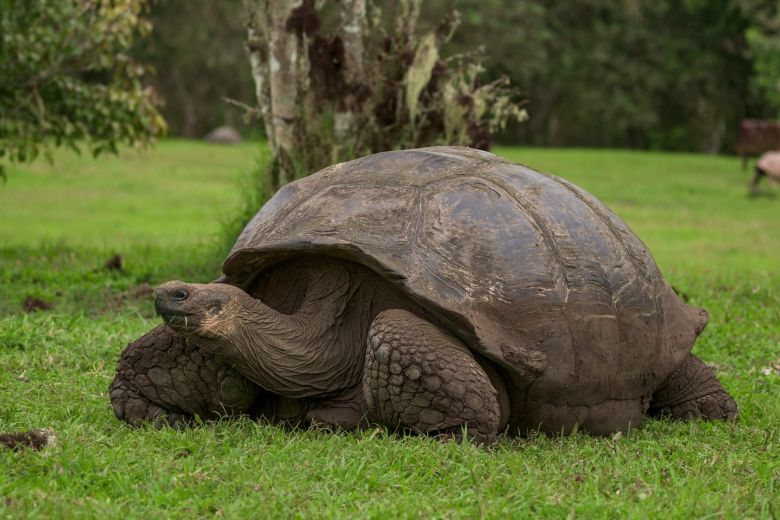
{"x":661,"y":74}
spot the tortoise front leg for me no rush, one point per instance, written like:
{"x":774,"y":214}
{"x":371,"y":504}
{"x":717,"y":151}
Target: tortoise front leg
{"x":419,"y":378}
{"x":161,"y":377}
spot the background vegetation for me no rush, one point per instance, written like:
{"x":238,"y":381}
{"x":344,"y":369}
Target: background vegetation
{"x":197,"y":54}
{"x":161,"y":210}
{"x":67,"y":77}
{"x":666,"y":74}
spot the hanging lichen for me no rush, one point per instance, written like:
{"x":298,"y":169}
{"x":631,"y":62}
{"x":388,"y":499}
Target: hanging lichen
{"x":359,"y":89}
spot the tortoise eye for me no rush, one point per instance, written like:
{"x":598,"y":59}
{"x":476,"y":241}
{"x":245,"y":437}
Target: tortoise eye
{"x":179,"y":295}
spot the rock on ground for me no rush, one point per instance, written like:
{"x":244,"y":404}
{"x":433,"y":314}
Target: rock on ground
{"x":223,"y":135}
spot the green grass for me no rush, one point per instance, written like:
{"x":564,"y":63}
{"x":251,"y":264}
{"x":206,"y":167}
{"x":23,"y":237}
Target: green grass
{"x":175,"y":195}
{"x":162,"y":210}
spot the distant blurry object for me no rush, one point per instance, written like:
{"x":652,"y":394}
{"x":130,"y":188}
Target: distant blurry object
{"x":223,"y":135}
{"x":757,"y":136}
{"x":768,"y":165}
{"x":32,"y":304}
{"x":114,"y":263}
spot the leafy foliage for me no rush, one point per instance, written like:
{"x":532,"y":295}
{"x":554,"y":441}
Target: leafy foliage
{"x":764,"y":40}
{"x":66,"y":77}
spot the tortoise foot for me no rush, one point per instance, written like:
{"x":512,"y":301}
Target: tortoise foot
{"x":162,"y":378}
{"x":136,"y":410}
{"x":421,"y":379}
{"x":692,"y":391}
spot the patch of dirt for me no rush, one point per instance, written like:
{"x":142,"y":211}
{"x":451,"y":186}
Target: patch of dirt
{"x":33,"y":439}
{"x":143,"y":291}
{"x":31,"y":304}
{"x":115,"y":263}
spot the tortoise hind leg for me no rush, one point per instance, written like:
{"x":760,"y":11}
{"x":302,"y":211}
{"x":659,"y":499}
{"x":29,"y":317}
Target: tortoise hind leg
{"x":758,"y":175}
{"x":692,"y":391}
{"x":421,"y":379}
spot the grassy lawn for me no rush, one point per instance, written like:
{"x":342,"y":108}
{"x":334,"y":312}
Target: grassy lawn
{"x":164,"y":210}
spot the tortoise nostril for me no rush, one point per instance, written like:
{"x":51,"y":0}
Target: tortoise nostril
{"x":179,"y":295}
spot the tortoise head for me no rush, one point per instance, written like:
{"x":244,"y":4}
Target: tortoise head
{"x":204,"y":310}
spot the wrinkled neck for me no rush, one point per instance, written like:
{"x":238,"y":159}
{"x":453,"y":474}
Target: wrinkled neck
{"x":291,"y":355}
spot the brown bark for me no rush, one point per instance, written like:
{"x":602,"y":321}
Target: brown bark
{"x":283,"y":53}
{"x":257,"y":49}
{"x":275,"y":53}
{"x":353,"y":22}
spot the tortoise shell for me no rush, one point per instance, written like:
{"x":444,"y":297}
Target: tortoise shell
{"x":528,"y":270}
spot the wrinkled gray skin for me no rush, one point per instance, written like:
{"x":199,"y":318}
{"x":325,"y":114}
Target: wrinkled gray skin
{"x":438,"y":291}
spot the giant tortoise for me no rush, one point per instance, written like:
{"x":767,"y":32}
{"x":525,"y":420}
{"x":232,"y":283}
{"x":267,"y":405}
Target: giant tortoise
{"x":768,"y":165}
{"x":440,"y":290}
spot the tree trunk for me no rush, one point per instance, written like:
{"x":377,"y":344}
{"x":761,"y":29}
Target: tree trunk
{"x":283,"y":55}
{"x":327,"y":97}
{"x":275,"y":51}
{"x":257,"y":49}
{"x":353,"y":21}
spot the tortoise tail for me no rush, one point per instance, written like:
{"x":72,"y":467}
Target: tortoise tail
{"x":698,"y":317}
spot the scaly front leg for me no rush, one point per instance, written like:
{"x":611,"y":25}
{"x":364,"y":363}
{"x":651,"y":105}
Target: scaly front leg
{"x":161,"y":377}
{"x":419,"y":378}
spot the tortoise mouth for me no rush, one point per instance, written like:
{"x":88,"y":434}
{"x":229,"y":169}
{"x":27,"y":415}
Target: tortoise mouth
{"x":181,"y":322}
{"x":176,"y":318}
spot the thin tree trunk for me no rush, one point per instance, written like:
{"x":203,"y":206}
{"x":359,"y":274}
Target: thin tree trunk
{"x":353,"y":21}
{"x":276,"y":54}
{"x":407,"y":21}
{"x":283,"y":52}
{"x":257,"y":49}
